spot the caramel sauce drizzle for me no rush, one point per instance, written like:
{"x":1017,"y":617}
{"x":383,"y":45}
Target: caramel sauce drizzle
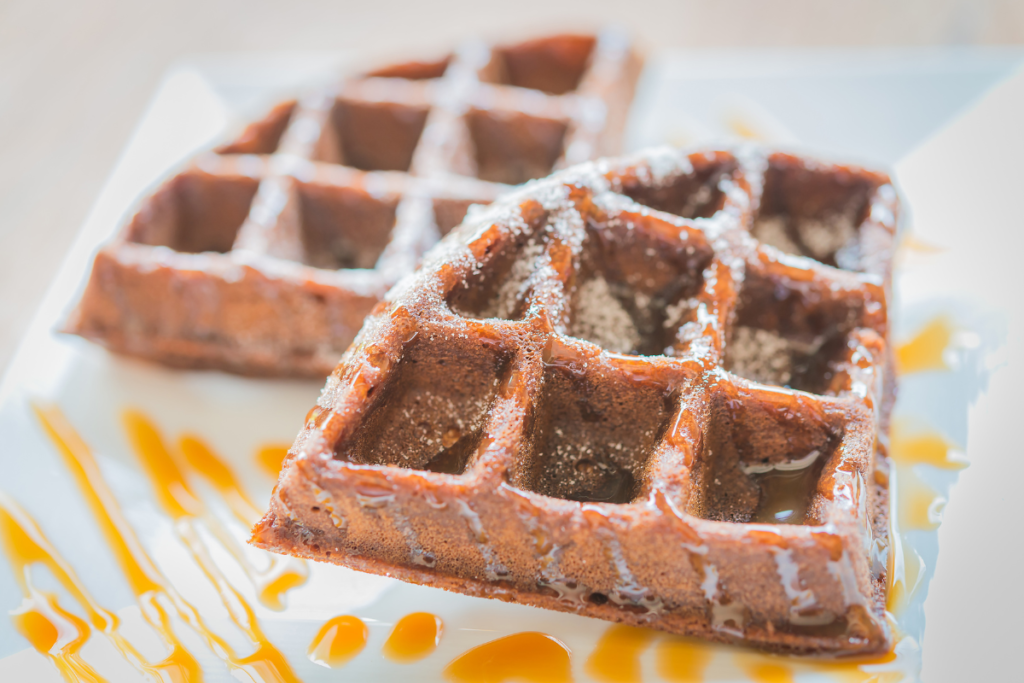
{"x":144,"y":579}
{"x":914,"y":506}
{"x":270,"y":458}
{"x":763,"y":671}
{"x":682,"y":661}
{"x":742,"y":128}
{"x":414,"y":637}
{"x":339,"y":640}
{"x":46,"y":625}
{"x":905,"y":582}
{"x":913,"y":249}
{"x":920,"y":506}
{"x":764,"y":668}
{"x":151,"y":588}
{"x":616,"y":658}
{"x":529,"y":656}
{"x":204,"y":462}
{"x":183,"y":506}
{"x":283,"y":573}
{"x":924,"y":351}
{"x":50,"y":629}
{"x":924,"y":449}
{"x":914,"y":243}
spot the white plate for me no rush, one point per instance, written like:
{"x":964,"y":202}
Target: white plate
{"x":867,"y":105}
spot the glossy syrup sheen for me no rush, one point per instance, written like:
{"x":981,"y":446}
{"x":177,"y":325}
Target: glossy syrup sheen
{"x":924,"y":448}
{"x":59,"y":637}
{"x":616,"y":658}
{"x":264,"y":663}
{"x":531,"y":656}
{"x":144,"y":579}
{"x":167,"y":473}
{"x":761,"y":668}
{"x":920,"y":506}
{"x":270,"y":458}
{"x":926,"y":349}
{"x":339,"y":640}
{"x":905,"y":582}
{"x":768,"y":672}
{"x":787,"y":490}
{"x":528,"y":657}
{"x":414,"y":637}
{"x":680,"y":660}
{"x":51,"y":630}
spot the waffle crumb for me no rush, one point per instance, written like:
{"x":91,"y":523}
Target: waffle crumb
{"x":602,"y":319}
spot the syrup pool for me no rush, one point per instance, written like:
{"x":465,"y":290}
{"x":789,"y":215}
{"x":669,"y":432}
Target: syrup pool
{"x":787,"y":489}
{"x":270,"y":458}
{"x":338,"y":641}
{"x":528,"y":657}
{"x":414,"y":637}
{"x":170,"y":472}
{"x":616,"y":658}
{"x":925,"y":350}
{"x":531,"y":656}
{"x":264,"y":663}
{"x":51,"y":630}
{"x":680,"y":660}
{"x":175,"y":466}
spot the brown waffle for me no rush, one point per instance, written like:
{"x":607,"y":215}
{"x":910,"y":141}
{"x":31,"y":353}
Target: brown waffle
{"x":553,"y":410}
{"x":264,"y":256}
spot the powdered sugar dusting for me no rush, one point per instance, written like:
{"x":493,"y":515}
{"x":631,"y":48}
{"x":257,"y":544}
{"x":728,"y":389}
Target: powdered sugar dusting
{"x":825,"y":238}
{"x":602,"y":319}
{"x":761,"y":356}
{"x":772,"y":231}
{"x":833,"y":238}
{"x":504,"y":302}
{"x":674,"y":313}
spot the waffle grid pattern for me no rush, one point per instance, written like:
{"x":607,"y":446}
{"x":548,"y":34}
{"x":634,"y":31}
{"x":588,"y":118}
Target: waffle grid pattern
{"x":265,"y":255}
{"x":545,"y":413}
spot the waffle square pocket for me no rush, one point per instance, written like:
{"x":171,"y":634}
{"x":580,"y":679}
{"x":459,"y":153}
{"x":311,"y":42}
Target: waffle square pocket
{"x":606,"y":395}
{"x":263,"y":256}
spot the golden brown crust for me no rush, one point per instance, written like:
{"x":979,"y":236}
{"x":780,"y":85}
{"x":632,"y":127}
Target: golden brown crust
{"x":549,"y":411}
{"x":264,"y":256}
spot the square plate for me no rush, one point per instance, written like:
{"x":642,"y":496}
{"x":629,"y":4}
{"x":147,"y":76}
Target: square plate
{"x":874,"y":106}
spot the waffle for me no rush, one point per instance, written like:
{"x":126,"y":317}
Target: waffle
{"x":264,"y":256}
{"x":604,"y":395}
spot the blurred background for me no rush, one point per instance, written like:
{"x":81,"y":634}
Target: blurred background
{"x":75,"y":75}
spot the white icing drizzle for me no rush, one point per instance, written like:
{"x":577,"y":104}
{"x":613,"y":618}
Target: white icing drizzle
{"x":493,"y":568}
{"x":327,"y":503}
{"x":803,"y":605}
{"x":416,"y":552}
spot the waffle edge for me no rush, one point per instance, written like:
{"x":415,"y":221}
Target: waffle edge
{"x":492,"y":432}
